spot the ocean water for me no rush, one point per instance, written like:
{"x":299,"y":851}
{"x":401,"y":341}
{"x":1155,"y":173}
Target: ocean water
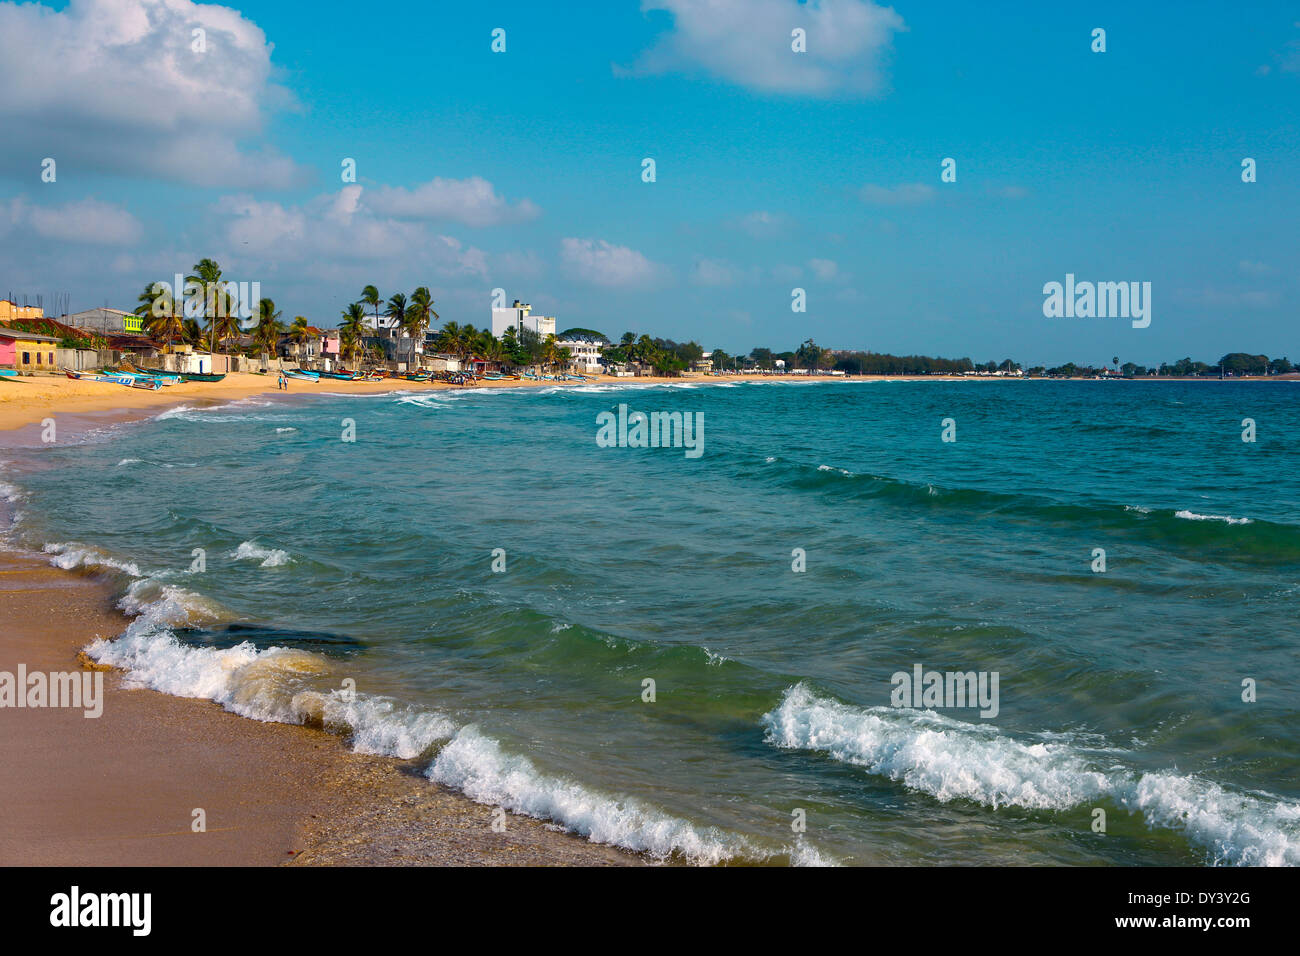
{"x":351,"y":585}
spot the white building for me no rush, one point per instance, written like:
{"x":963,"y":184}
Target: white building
{"x":584,"y":351}
{"x":519,"y":317}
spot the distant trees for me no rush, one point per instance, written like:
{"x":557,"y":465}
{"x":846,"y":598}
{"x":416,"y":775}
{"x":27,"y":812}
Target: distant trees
{"x":1240,"y":363}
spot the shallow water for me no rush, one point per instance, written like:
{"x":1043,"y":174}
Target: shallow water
{"x":327,"y":562}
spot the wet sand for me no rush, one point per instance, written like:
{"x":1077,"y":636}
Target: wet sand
{"x":121,"y":789}
{"x":26,"y":400}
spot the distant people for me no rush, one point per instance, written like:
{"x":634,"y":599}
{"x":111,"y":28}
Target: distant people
{"x":283,"y":381}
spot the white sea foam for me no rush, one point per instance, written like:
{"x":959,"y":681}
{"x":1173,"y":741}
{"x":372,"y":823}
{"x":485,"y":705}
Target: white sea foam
{"x":69,"y":556}
{"x":160,"y":464}
{"x":281,"y":685}
{"x":950,"y":759}
{"x":422,"y":401}
{"x":252,"y":551}
{"x":281,"y":431}
{"x":476,"y":765}
{"x":1227,"y":519}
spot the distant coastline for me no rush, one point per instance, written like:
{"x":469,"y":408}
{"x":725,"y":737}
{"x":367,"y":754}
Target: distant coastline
{"x":27,"y":400}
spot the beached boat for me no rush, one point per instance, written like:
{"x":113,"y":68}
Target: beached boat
{"x":93,"y":376}
{"x":417,"y":376}
{"x":202,"y":376}
{"x":8,"y":372}
{"x":301,"y":375}
{"x":166,"y":378}
{"x":140,"y":381}
{"x":342,"y":376}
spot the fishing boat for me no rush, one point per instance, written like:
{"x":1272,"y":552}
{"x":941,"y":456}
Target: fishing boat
{"x":417,"y":376}
{"x":140,"y":381}
{"x":301,"y":375}
{"x":202,"y":376}
{"x":91,"y":376}
{"x":8,"y":373}
{"x":342,"y":376}
{"x":166,"y":378}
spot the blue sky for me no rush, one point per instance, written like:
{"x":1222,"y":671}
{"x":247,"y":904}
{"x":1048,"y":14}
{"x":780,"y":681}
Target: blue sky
{"x":775,"y":170}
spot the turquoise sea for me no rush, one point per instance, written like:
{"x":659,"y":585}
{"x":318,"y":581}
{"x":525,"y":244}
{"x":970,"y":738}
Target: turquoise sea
{"x":324,"y":565}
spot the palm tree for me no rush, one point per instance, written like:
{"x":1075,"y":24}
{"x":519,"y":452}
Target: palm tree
{"x":418,"y":315}
{"x":158,"y":309}
{"x":267,"y":333}
{"x":193,"y":332}
{"x":396,"y":310}
{"x":353,"y":327}
{"x":448,"y":339}
{"x":299,"y":333}
{"x":370,"y":297}
{"x":216,"y":301}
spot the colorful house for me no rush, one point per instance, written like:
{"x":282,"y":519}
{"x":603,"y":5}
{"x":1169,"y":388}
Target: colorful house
{"x":27,"y":352}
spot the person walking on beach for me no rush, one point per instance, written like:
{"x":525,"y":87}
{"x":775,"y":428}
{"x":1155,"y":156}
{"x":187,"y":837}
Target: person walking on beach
{"x":283,"y":382}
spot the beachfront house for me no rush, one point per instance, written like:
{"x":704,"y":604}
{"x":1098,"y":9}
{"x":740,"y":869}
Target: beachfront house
{"x":703,"y":364}
{"x":584,"y":351}
{"x":28,"y":352}
{"x":519,"y":317}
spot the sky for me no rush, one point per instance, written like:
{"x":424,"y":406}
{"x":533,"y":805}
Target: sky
{"x":774,"y":170}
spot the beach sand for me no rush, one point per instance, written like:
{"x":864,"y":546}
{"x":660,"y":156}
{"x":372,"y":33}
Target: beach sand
{"x":121,"y":789}
{"x":26,"y":400}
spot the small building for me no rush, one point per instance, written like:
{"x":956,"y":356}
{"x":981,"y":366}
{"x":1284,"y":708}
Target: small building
{"x":584,"y":351}
{"x":105,"y":321}
{"x":11,"y":311}
{"x":28,"y":352}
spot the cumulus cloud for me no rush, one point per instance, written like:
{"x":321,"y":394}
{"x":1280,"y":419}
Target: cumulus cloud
{"x":87,"y":220}
{"x":603,"y":263}
{"x":116,"y":85}
{"x":824,"y":269}
{"x":748,"y":42}
{"x":908,"y":194}
{"x":714,"y":272}
{"x":471,"y":202}
{"x":762,"y":224}
{"x":340,"y":229}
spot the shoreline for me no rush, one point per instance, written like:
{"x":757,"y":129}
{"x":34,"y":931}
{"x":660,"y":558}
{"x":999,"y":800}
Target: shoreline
{"x":121,"y":789}
{"x":26,"y":401}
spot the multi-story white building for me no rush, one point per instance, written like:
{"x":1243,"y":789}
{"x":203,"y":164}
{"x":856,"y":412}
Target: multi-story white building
{"x":519,"y":317}
{"x":584,"y":351}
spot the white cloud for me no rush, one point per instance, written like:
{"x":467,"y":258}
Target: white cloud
{"x":748,"y":42}
{"x":340,"y":229}
{"x":713,"y":272}
{"x":762,"y":224}
{"x":602,"y":263}
{"x":87,"y":220}
{"x":115,"y":85}
{"x":472,"y":202}
{"x":1254,"y":268}
{"x":787,"y":273}
{"x":908,"y":194}
{"x":824,"y":269}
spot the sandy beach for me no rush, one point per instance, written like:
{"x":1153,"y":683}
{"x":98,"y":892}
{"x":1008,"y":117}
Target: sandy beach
{"x":27,"y":400}
{"x":122,"y":788}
